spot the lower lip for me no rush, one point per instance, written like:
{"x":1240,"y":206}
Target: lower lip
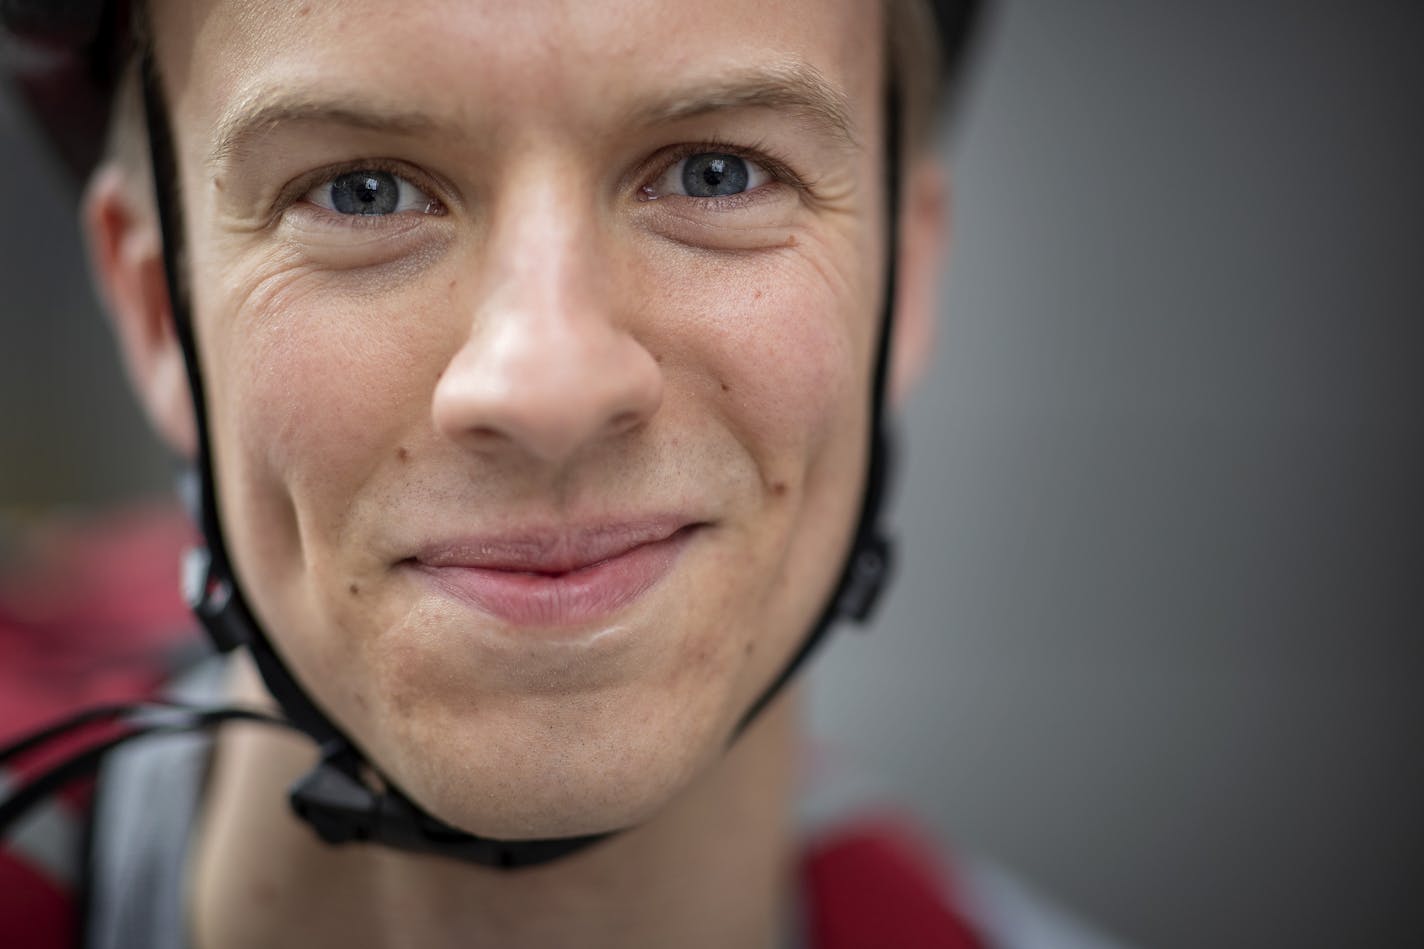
{"x":576,"y":598}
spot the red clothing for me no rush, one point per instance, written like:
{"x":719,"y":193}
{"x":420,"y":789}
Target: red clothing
{"x":91,"y":615}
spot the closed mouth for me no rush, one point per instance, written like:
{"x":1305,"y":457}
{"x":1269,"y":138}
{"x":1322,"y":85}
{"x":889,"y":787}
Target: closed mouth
{"x":557,"y":579}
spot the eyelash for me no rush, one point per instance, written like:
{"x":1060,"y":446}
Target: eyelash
{"x":780,"y":172}
{"x":294,"y":192}
{"x":760,"y":153}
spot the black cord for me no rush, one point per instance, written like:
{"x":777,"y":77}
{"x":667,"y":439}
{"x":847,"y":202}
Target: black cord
{"x":97,"y":714}
{"x":85,"y":762}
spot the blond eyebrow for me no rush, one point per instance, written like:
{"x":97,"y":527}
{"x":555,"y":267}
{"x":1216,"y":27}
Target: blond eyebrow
{"x":795,"y":87}
{"x":257,"y":115}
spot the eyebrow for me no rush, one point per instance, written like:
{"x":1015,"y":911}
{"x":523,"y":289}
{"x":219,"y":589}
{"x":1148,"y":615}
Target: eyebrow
{"x":261,"y":113}
{"x":795,"y":87}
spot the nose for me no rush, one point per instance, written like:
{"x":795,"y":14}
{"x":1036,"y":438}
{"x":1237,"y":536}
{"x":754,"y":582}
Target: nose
{"x":545,"y":368}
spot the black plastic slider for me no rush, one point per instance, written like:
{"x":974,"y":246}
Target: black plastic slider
{"x":335,"y":803}
{"x":343,"y":809}
{"x":866,"y":577}
{"x":210,"y":598}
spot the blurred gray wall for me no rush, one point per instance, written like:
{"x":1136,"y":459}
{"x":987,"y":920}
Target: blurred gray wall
{"x":1160,"y":633}
{"x":1157,"y":640}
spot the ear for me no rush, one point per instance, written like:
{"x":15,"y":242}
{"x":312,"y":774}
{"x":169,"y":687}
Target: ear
{"x":126,"y":256}
{"x":924,"y":234}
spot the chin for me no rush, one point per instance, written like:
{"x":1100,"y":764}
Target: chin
{"x":537,"y":768}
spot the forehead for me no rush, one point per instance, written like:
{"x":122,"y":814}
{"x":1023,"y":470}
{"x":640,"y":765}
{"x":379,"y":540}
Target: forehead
{"x":500,"y":67}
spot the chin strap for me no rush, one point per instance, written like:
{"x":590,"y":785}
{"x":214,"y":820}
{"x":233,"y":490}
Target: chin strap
{"x":344,"y":798}
{"x":342,"y":808}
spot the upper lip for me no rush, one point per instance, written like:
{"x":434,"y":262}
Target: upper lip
{"x":548,"y":550}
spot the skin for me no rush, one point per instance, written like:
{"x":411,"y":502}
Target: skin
{"x":549,"y":337}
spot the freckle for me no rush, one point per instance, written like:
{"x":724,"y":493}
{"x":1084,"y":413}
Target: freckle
{"x":726,"y":388}
{"x":403,"y":453}
{"x":353,"y":589}
{"x":452,"y":284}
{"x":750,"y":648}
{"x":778,"y":488}
{"x":790,"y":240}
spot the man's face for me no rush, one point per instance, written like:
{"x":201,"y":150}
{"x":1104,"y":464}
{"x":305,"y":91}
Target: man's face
{"x":537,"y":340}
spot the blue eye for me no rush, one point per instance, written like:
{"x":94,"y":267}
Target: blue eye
{"x":368,"y":191}
{"x":711,"y":175}
{"x":365,"y":192}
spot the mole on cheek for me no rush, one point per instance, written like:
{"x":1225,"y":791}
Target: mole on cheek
{"x":403,"y":453}
{"x":353,"y":589}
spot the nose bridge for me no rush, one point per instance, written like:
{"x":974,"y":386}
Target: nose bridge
{"x":543,"y":248}
{"x":550,"y":364}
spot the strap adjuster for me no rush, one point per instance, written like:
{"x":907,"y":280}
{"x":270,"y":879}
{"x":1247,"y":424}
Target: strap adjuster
{"x":866,"y":577}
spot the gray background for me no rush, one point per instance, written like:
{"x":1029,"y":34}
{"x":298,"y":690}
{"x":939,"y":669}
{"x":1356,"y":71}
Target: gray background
{"x":1157,"y":639}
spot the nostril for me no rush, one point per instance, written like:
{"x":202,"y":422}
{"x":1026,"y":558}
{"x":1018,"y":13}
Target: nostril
{"x":485,"y":435}
{"x":624,"y":420}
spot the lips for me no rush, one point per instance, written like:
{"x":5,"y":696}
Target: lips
{"x":557,"y":578}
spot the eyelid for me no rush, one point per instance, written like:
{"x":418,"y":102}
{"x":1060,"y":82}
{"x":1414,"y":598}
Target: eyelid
{"x":760,"y":155}
{"x":409,"y":195}
{"x":437,"y":191}
{"x":670,"y":181}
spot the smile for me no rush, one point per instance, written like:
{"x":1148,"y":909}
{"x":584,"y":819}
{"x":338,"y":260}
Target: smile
{"x":556,"y":579}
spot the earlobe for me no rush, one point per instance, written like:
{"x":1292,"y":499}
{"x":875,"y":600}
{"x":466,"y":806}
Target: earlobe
{"x":924,"y":234}
{"x":126,"y":256}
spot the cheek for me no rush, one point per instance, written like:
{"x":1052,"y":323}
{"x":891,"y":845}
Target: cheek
{"x":777,"y":348}
{"x":320,"y":387}
{"x":779,"y":352}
